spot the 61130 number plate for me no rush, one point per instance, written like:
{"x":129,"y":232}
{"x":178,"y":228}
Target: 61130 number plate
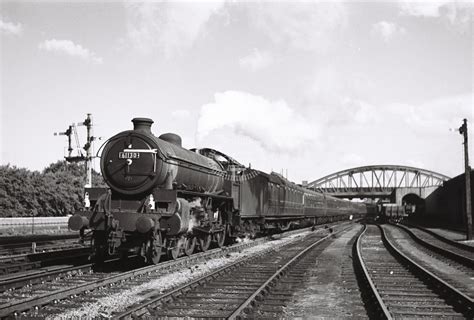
{"x":129,"y":155}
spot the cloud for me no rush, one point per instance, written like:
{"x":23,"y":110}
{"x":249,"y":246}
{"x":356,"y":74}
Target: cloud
{"x":422,"y":8}
{"x":433,"y":116}
{"x":387,"y":30}
{"x":171,"y":28}
{"x":256,"y":60}
{"x":338,"y":96}
{"x":457,"y":12}
{"x":11,"y":28}
{"x":168,"y":27}
{"x":69,"y":48}
{"x":272,"y":124}
{"x":301,"y":26}
{"x":358,"y":111}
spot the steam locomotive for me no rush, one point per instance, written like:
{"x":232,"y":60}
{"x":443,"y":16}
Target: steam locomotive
{"x":166,"y":200}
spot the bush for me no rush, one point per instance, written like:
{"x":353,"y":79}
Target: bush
{"x":57,"y":191}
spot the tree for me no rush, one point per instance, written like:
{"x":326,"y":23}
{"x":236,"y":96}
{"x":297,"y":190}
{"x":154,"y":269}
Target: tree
{"x":56,"y":191}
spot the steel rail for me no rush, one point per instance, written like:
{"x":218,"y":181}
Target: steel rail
{"x":38,"y":248}
{"x":14,"y":264}
{"x":441,"y":238}
{"x":384,"y":313}
{"x":264,"y":288}
{"x":39,"y":256}
{"x":463,"y":299}
{"x":17,"y":280}
{"x":26,"y":304}
{"x":142,"y":308}
{"x":27,"y":239}
{"x":457,"y":257}
{"x":16,"y":307}
{"x":139,"y":310}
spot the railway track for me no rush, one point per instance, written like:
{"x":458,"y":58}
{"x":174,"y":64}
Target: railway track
{"x":28,"y":248}
{"x":28,"y":262}
{"x":40,"y":276}
{"x":322,"y":285}
{"x":401,"y":288}
{"x":456,"y":252}
{"x":76,"y":289}
{"x":234,"y":291}
{"x":453,"y":264}
{"x":39,"y":243}
{"x":439,"y":241}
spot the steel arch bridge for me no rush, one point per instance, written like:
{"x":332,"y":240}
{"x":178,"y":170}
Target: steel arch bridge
{"x":378,"y":181}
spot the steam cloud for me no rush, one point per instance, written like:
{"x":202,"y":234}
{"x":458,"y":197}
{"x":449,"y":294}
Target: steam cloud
{"x":272,"y":124}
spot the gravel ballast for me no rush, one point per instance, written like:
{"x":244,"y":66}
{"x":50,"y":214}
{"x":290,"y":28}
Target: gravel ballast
{"x":118,"y":301}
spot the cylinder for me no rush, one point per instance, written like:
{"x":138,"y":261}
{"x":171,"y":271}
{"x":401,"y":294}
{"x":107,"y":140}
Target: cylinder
{"x":77,"y":222}
{"x":178,"y":223}
{"x":144,"y":224}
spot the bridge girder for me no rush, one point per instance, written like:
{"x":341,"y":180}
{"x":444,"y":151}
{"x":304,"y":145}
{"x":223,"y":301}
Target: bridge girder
{"x":377,"y":181}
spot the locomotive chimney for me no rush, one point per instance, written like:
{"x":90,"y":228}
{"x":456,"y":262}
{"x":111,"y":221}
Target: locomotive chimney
{"x":142,"y":124}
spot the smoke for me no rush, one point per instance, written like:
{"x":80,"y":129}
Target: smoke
{"x":274,"y":125}
{"x":196,"y":202}
{"x":193,"y":222}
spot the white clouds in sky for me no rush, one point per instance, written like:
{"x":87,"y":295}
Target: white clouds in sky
{"x":301,"y":25}
{"x":387,"y":30}
{"x":457,"y":12}
{"x":69,"y":48}
{"x":11,"y":28}
{"x":172,"y":27}
{"x":338,"y":96}
{"x":169,"y":27}
{"x":273,"y":124}
{"x":422,"y":8}
{"x":256,"y":60}
{"x":433,"y":116}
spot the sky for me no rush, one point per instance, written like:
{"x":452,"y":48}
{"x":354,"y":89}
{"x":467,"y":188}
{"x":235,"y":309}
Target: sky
{"x":306,"y":87}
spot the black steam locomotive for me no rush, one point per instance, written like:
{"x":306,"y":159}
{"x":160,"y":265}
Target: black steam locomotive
{"x":164,"y":199}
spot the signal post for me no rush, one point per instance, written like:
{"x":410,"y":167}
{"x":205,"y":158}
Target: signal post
{"x":463,"y":131}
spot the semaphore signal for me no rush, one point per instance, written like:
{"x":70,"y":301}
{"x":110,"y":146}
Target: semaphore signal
{"x":87,"y":148}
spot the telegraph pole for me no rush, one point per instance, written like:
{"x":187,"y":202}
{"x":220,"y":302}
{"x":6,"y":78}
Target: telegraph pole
{"x":463,"y":131}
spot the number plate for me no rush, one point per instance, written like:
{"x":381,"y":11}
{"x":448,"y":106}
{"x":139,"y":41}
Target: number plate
{"x":129,"y":155}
